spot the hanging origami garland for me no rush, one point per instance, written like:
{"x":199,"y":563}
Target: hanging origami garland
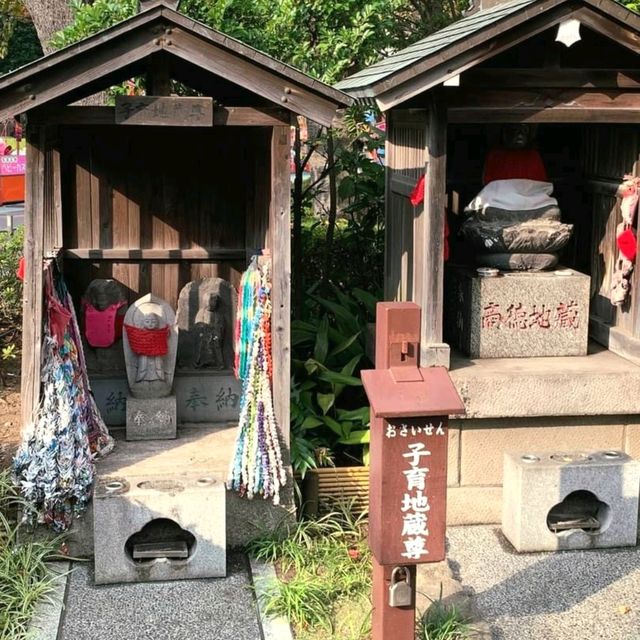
{"x":54,"y":465}
{"x":257,"y":467}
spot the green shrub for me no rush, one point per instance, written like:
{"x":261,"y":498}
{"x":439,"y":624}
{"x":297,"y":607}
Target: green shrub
{"x":329,"y":409}
{"x":10,"y":286}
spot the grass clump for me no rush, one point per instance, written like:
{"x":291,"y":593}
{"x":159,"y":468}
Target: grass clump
{"x":324,"y":568}
{"x":443,"y":622}
{"x":24,"y":576}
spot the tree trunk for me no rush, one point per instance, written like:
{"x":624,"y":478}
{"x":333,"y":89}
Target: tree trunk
{"x":49,"y":17}
{"x":333,"y":207}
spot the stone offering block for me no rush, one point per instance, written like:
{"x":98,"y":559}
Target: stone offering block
{"x":133,"y":515}
{"x":151,"y":418}
{"x":517,"y":314}
{"x":577,"y":500}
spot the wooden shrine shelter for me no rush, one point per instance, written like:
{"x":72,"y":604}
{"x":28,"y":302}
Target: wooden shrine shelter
{"x":160,"y":190}
{"x":444,"y":97}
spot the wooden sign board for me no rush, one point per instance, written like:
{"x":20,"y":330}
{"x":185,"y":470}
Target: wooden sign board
{"x":407,"y":489}
{"x":164,"y":111}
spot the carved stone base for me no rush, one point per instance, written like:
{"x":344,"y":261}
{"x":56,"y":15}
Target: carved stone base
{"x":517,"y":315}
{"x":151,"y":418}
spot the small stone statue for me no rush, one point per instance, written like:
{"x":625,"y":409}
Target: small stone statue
{"x":150,"y":343}
{"x":210,"y":336}
{"x":103,"y":307}
{"x":514,"y":223}
{"x":206,"y":317}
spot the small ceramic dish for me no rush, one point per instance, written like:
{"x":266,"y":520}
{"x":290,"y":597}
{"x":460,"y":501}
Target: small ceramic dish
{"x":487,"y":272}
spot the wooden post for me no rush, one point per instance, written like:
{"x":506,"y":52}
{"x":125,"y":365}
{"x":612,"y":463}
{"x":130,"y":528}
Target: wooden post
{"x":280,"y":245}
{"x":390,"y":623}
{"x":158,"y":76}
{"x":429,"y":243}
{"x":33,"y":282}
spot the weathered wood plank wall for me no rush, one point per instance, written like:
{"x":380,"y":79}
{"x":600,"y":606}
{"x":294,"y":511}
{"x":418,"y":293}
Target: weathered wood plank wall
{"x":198,"y":195}
{"x":405,"y":159}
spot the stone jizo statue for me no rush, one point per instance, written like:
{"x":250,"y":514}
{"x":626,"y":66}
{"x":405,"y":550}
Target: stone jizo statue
{"x":210,"y":335}
{"x":150,"y":343}
{"x":206,"y":317}
{"x":514,"y":222}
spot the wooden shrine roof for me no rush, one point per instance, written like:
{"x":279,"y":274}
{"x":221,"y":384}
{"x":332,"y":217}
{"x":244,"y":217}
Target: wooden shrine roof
{"x":479,"y":36}
{"x":121,"y":51}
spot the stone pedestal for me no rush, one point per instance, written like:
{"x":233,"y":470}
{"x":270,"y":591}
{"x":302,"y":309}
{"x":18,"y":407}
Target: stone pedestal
{"x":151,"y":418}
{"x":517,"y":315}
{"x":159,"y":509}
{"x":543,"y":489}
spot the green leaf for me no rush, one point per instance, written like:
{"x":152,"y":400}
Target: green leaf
{"x":322,"y":341}
{"x":358,"y":415}
{"x":367,"y":299}
{"x":340,"y":378}
{"x":334,"y":425}
{"x":313,"y":366}
{"x":345,"y":344}
{"x":347,"y":188}
{"x":344,"y":318}
{"x":349,"y":368}
{"x":357,"y":437}
{"x":325,"y":400}
{"x":311,"y":422}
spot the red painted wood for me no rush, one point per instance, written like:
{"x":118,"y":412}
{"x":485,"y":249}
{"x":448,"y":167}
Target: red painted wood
{"x":390,"y":623}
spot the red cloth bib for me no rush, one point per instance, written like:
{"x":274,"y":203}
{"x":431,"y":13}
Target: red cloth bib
{"x":148,"y":342}
{"x":511,"y":164}
{"x":102,"y":328}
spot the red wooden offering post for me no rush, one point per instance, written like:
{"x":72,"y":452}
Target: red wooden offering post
{"x":408,"y":472}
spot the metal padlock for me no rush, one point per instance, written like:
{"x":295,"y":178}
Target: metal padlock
{"x":400,"y":592}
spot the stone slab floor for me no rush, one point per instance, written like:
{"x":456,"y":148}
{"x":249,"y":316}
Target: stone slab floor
{"x":567,"y":595}
{"x":217,"y":609}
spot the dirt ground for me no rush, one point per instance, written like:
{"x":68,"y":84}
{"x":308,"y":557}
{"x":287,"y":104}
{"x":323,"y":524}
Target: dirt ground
{"x":9,"y":418}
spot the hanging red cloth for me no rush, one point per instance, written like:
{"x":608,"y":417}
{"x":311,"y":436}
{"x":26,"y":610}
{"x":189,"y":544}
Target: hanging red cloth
{"x":512,"y":164}
{"x":21,"y":268}
{"x":417,"y":197}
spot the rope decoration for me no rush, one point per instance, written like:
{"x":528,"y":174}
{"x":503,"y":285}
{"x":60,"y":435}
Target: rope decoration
{"x":54,"y":466}
{"x":257,"y":467}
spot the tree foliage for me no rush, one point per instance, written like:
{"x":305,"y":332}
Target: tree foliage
{"x":328,"y":40}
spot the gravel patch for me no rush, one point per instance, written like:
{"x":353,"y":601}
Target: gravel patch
{"x":215,"y":609}
{"x":551,"y":596}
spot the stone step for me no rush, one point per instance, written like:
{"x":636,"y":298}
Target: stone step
{"x":199,"y":452}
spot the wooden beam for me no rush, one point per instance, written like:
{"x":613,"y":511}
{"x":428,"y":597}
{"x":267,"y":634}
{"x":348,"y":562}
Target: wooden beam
{"x":77,"y":72}
{"x":158,"y":75}
{"x":245,"y":73}
{"x":429,"y":243}
{"x":52,"y":223}
{"x":402,"y":185}
{"x":603,"y":24}
{"x":222,"y":116}
{"x":280,"y":246}
{"x":552,"y":78}
{"x":220,"y":253}
{"x":33,"y":282}
{"x":164,"y":111}
{"x":549,"y":105}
